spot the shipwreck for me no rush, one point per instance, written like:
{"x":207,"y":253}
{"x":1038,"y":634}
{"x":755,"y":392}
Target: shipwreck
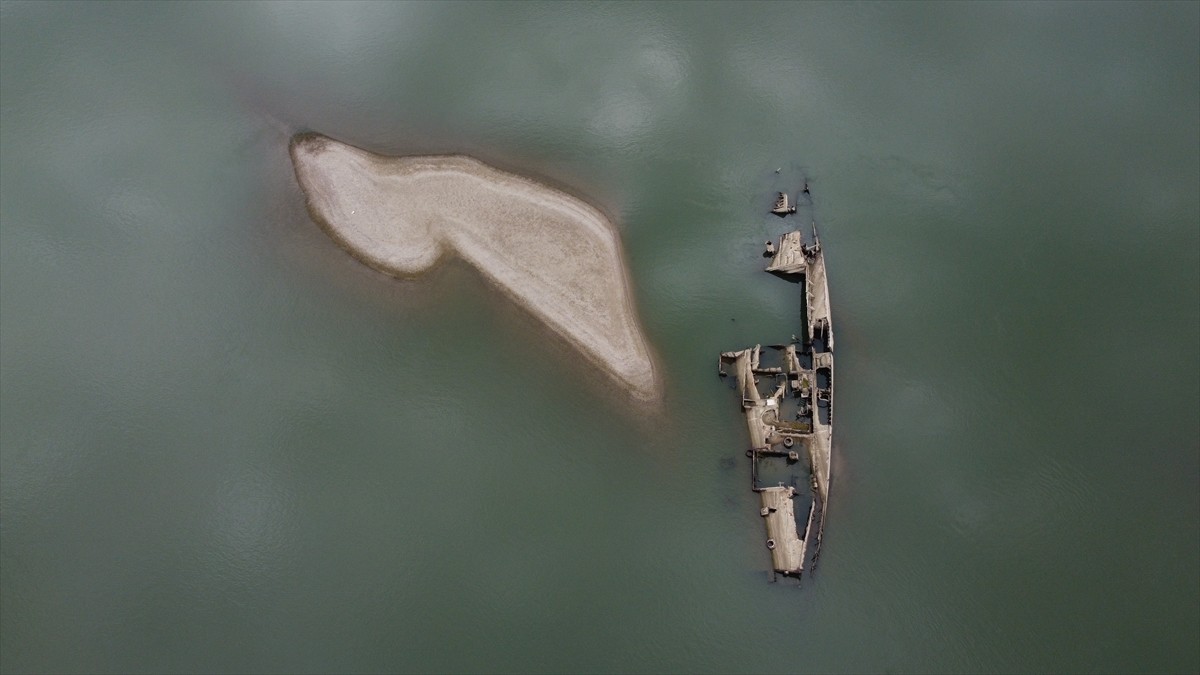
{"x":787,"y":400}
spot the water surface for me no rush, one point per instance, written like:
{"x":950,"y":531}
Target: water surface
{"x":225,"y":445}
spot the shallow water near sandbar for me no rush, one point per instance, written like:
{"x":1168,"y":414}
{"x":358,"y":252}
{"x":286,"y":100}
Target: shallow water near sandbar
{"x":228,"y":446}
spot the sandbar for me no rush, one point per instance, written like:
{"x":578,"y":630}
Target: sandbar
{"x":555,"y":255}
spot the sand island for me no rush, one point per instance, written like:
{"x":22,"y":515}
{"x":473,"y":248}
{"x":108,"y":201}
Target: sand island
{"x":553,"y":254}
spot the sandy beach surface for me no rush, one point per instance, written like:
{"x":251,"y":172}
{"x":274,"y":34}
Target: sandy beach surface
{"x":552,"y":253}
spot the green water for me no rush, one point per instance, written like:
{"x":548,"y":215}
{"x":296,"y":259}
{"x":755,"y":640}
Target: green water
{"x":227,"y":446}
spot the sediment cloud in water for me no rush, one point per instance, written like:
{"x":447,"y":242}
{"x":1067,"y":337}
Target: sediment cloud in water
{"x":553,"y":254}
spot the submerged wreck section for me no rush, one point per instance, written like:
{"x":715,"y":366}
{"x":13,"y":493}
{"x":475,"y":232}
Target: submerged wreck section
{"x":787,"y":399}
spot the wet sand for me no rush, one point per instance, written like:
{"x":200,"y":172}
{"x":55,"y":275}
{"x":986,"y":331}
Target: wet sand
{"x":552,"y":253}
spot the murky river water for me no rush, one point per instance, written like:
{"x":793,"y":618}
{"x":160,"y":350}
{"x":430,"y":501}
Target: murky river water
{"x":227,"y":446}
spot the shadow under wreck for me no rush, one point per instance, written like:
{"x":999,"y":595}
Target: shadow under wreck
{"x":787,"y":398}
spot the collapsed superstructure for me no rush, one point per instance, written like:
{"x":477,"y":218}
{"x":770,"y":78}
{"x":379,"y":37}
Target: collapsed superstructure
{"x":787,"y":396}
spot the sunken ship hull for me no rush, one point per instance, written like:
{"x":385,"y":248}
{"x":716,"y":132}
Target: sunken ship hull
{"x":787,"y":401}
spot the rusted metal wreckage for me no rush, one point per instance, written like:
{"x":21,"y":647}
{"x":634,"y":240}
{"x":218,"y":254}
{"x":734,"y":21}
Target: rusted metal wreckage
{"x":787,"y":399}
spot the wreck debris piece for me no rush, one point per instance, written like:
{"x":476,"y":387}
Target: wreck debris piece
{"x":551,"y":253}
{"x":782,"y":208}
{"x":787,"y":401}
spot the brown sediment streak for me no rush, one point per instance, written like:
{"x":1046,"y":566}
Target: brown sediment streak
{"x":552,"y":253}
